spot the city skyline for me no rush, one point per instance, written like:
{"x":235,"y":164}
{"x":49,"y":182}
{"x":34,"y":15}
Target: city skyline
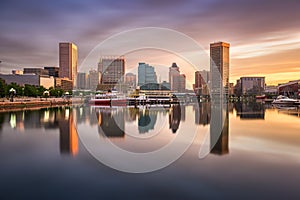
{"x":266,"y":44}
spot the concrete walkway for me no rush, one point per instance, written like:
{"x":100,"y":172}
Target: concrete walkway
{"x":26,"y":103}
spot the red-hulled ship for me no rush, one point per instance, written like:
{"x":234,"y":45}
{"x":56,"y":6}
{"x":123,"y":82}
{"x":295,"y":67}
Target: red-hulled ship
{"x":109,"y":99}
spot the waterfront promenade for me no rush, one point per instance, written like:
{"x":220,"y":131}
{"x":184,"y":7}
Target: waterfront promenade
{"x":36,"y":103}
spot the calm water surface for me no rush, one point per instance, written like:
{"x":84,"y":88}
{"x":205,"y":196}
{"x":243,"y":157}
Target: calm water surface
{"x":257,"y":156}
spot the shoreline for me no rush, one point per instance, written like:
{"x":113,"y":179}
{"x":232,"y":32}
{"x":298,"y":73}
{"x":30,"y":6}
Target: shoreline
{"x":37,"y":104}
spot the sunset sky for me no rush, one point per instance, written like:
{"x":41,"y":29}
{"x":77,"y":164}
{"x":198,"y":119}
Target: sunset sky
{"x":264,"y":35}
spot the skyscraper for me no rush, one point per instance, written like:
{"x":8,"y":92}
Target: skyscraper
{"x":68,"y":58}
{"x":112,"y":70}
{"x":146,"y":74}
{"x":130,"y":79}
{"x":82,"y":80}
{"x":201,"y":82}
{"x":177,"y":80}
{"x":219,"y":68}
{"x":93,"y":79}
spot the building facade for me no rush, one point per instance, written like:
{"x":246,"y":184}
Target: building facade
{"x":112,"y":70}
{"x":15,"y":71}
{"x":64,"y":83}
{"x":177,"y":81}
{"x":29,"y":79}
{"x":52,"y":71}
{"x":47,"y":81}
{"x":130,"y":80}
{"x":201,"y":82}
{"x":252,"y":85}
{"x":37,"y":71}
{"x":166,"y":85}
{"x":290,"y":89}
{"x":93,"y":79}
{"x":219,"y":68}
{"x":68,"y":60}
{"x":146,"y":74}
{"x":82,"y":80}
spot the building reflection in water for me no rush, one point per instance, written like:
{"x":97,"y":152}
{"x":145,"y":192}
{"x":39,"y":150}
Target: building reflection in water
{"x":68,"y":137}
{"x":175,"y":117}
{"x":131,"y":114}
{"x":49,"y":118}
{"x":147,"y":120}
{"x":250,"y":110}
{"x":111,"y":122}
{"x":2,"y":118}
{"x":17,"y":120}
{"x":219,"y":129}
{"x":202,"y":113}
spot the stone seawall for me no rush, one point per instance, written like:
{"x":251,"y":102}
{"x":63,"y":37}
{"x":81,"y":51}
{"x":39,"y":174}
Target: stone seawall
{"x":20,"y":105}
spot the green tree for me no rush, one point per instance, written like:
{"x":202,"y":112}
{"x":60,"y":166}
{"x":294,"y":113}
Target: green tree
{"x":2,"y":88}
{"x":56,"y":92}
{"x":16,"y":87}
{"x":30,"y":91}
{"x":40,"y":90}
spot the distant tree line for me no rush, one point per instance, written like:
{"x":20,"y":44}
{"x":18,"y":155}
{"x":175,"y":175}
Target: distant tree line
{"x":28,"y":90}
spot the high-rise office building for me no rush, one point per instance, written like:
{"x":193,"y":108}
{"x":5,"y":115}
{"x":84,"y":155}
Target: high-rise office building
{"x":82,"y":80}
{"x":173,"y":71}
{"x":201,"y":77}
{"x":201,"y":82}
{"x":93,"y":79}
{"x":68,"y":60}
{"x":219,"y":68}
{"x":112,"y":70}
{"x":146,"y":74}
{"x":130,"y":80}
{"x":177,"y":80}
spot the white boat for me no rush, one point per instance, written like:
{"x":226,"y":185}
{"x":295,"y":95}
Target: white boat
{"x":285,"y":107}
{"x":284,"y":100}
{"x":108,"y":99}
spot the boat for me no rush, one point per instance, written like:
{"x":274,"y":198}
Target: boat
{"x":260,"y":96}
{"x":285,"y":107}
{"x":284,"y":100}
{"x":108,"y":99}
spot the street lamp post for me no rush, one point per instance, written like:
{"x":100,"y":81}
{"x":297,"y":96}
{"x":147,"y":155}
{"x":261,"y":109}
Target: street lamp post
{"x":46,"y":94}
{"x":12,"y":93}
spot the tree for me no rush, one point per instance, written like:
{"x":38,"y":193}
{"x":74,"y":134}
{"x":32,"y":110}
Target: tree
{"x":16,"y":87}
{"x":56,"y":92}
{"x":2,"y":88}
{"x":30,"y":91}
{"x":40,"y":90}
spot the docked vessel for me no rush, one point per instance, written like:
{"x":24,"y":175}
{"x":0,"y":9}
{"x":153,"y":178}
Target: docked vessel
{"x":284,"y":100}
{"x":260,"y":96}
{"x":108,"y":99}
